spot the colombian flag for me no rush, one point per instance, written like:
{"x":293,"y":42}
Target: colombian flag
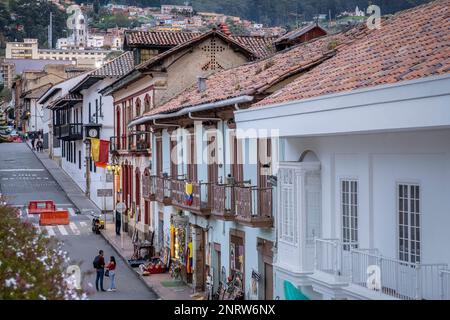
{"x":99,"y":152}
{"x":188,"y":197}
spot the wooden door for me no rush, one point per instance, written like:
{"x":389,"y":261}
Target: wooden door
{"x":213,"y":170}
{"x":192,"y":158}
{"x":159,"y":156}
{"x":268,"y":281}
{"x":217,"y":265}
{"x":264,"y":170}
{"x":199,"y":267}
{"x":147,"y":212}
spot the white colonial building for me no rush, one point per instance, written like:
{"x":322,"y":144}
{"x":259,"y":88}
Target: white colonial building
{"x":362,"y":181}
{"x":75,"y":114}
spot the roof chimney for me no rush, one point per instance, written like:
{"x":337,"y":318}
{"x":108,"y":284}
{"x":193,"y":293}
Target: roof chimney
{"x":201,"y":84}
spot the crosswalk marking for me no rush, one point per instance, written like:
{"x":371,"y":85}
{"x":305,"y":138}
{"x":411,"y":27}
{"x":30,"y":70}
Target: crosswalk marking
{"x":71,"y":212}
{"x":63,"y":230}
{"x":83,"y":224}
{"x":50,"y":230}
{"x":74,"y":228}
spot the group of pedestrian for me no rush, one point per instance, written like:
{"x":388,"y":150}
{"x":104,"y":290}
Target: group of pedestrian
{"x":37,"y":144}
{"x":99,"y":265}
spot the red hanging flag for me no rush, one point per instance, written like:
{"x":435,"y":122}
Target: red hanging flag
{"x":103,"y":154}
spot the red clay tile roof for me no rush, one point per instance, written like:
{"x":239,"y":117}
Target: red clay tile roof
{"x":38,"y":92}
{"x":255,"y":77}
{"x":69,"y":97}
{"x":116,"y":67}
{"x":412,"y":44}
{"x":260,"y":46}
{"x":158,"y":38}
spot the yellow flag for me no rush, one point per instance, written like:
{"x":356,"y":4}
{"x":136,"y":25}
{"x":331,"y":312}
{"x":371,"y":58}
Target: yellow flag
{"x":95,"y":149}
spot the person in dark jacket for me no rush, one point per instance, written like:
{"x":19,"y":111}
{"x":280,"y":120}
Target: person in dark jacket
{"x":118,"y":222}
{"x":99,"y":264}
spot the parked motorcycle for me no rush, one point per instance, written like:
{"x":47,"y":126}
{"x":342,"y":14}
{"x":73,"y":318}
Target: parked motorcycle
{"x":97,"y":223}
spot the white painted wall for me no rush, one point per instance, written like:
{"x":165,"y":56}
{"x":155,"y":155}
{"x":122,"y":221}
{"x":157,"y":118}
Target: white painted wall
{"x":98,"y":177}
{"x":380,"y":161}
{"x":219,"y":231}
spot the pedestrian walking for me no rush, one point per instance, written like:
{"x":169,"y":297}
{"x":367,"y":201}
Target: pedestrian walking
{"x":33,"y":142}
{"x":39,"y":146}
{"x":99,"y":265}
{"x":111,"y":267}
{"x":118,"y":222}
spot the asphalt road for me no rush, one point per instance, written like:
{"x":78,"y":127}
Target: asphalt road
{"x":24,"y":178}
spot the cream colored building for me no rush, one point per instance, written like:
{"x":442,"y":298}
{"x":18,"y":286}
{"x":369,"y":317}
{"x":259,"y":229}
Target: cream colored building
{"x":82,"y":58}
{"x":28,"y":49}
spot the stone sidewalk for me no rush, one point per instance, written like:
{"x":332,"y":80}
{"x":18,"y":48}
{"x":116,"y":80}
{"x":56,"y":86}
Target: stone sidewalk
{"x":153,"y":281}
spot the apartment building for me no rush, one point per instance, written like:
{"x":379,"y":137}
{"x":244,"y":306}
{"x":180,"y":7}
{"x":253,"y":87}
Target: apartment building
{"x":28,"y":49}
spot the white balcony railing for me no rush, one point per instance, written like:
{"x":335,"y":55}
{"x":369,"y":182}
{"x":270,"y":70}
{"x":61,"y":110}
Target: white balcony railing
{"x":445,"y":284}
{"x":333,"y":257}
{"x":399,"y":279}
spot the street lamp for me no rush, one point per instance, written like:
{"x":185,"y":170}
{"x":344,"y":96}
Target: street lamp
{"x":114,"y":168}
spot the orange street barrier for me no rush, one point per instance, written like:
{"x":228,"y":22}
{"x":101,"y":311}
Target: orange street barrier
{"x":48,"y":218}
{"x":35,"y":207}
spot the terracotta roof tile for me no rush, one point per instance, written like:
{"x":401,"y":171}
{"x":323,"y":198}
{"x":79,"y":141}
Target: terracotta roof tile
{"x":411,"y":44}
{"x":69,"y":97}
{"x":158,"y":38}
{"x":255,"y":77}
{"x":260,"y":46}
{"x":116,"y":67}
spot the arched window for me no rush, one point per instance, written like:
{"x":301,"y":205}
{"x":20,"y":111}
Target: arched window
{"x":147,"y":103}
{"x":117,"y":141}
{"x":138,"y":192}
{"x":146,"y":180}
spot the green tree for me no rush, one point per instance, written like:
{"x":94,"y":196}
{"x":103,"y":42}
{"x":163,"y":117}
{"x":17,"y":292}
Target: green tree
{"x":32,"y":265}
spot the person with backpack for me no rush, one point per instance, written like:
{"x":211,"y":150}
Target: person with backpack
{"x":111,"y":269}
{"x":99,"y":266}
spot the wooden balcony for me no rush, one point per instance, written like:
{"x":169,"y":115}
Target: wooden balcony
{"x":253,"y":206}
{"x":149,"y":187}
{"x":201,"y":203}
{"x":139,"y":142}
{"x":71,"y":131}
{"x":163,"y":191}
{"x":223,"y":204}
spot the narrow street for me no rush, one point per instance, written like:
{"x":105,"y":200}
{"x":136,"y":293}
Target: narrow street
{"x":24,"y":178}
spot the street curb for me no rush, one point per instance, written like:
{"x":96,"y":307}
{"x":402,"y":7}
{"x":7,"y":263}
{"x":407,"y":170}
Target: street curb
{"x":138,"y":275}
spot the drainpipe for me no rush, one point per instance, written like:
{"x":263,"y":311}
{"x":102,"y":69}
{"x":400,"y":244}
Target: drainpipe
{"x":165,"y":124}
{"x":204,"y":119}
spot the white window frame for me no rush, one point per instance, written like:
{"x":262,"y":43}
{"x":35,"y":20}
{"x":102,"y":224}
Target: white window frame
{"x":353,"y":238}
{"x":406,"y":255}
{"x":288,"y":220}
